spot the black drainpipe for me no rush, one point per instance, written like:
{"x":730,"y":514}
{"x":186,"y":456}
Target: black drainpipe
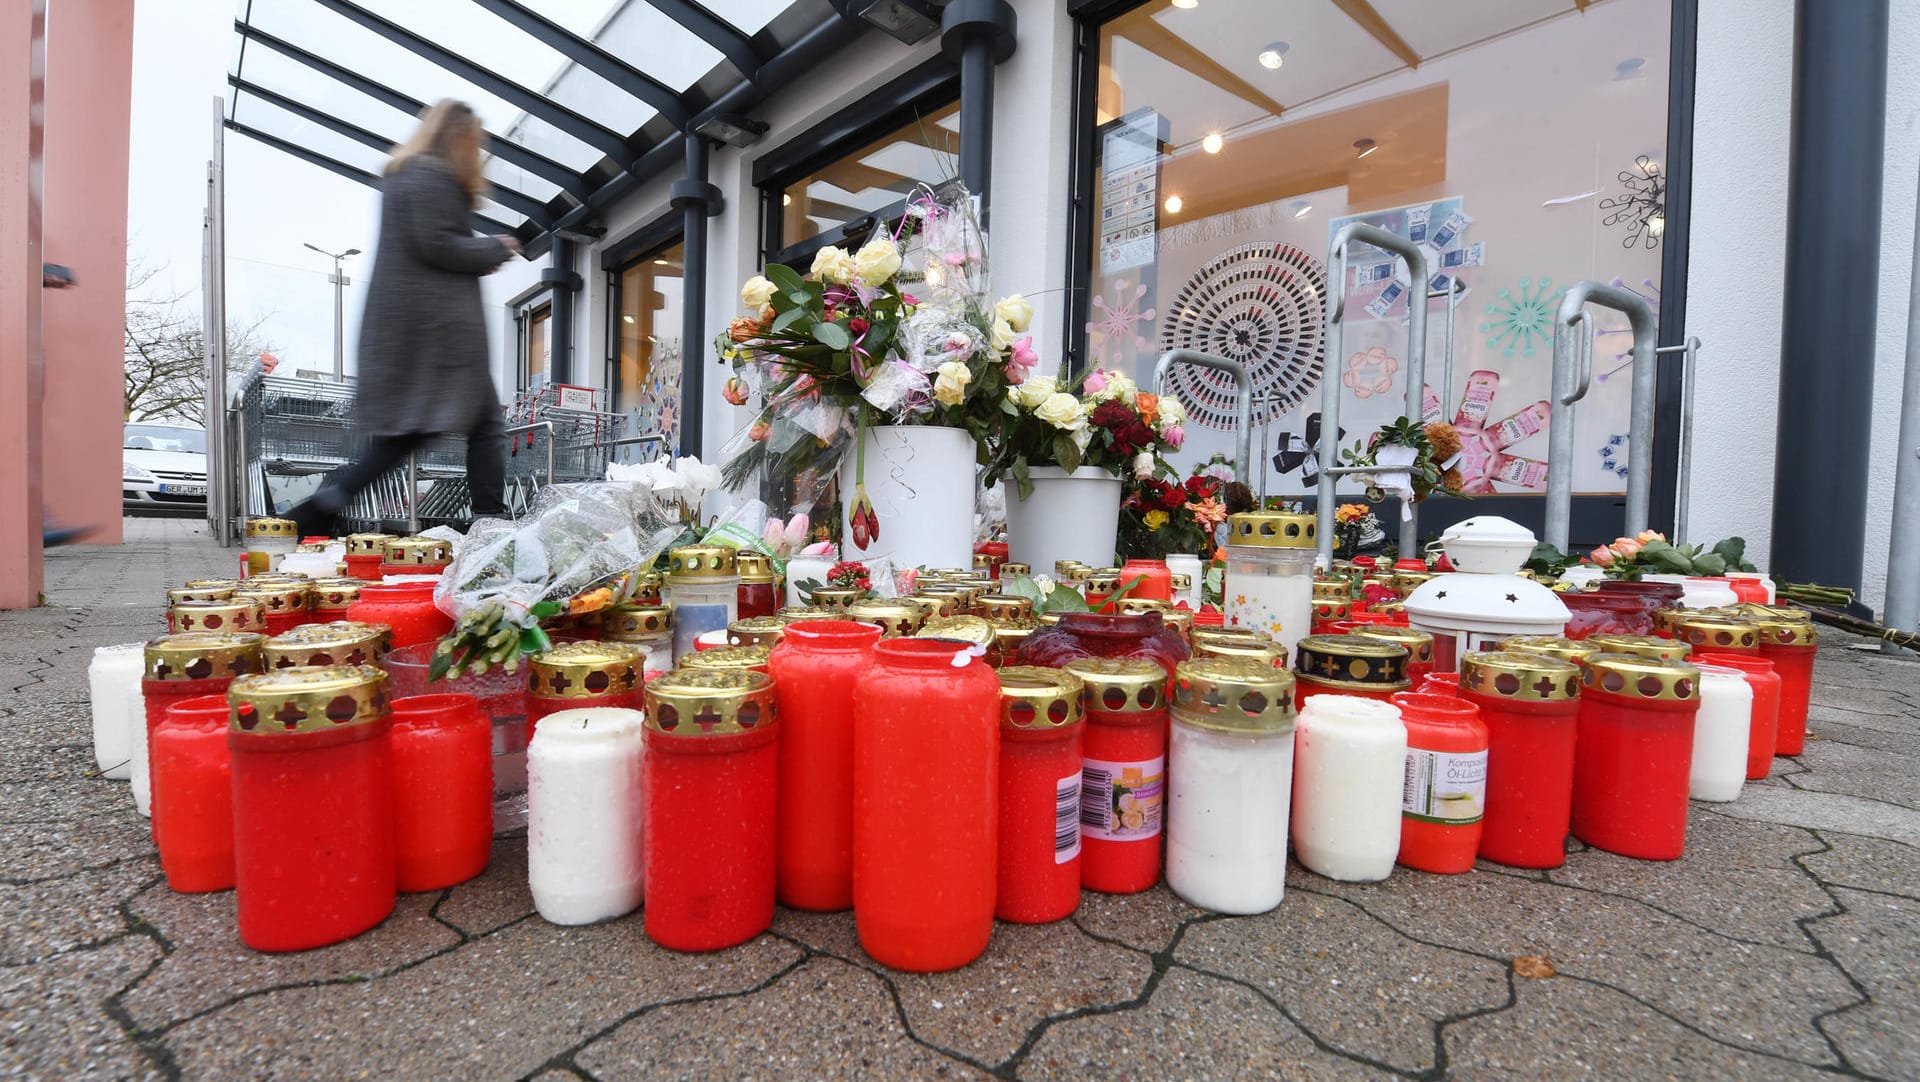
{"x":565,"y":285}
{"x":977,"y":34}
{"x":698,"y":200}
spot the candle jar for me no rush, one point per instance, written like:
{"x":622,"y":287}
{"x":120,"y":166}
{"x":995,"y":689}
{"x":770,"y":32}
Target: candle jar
{"x":1652,"y":646}
{"x":1328,"y":612}
{"x":893,"y":617}
{"x":711,"y":769}
{"x":937,"y":604}
{"x":1439,"y":683}
{"x":1348,"y":665}
{"x":1753,"y":587}
{"x":1720,"y":634}
{"x":1657,"y":594}
{"x":1444,"y":799}
{"x":1419,"y":646}
{"x":283,"y":603}
{"x":1790,"y":645}
{"x":574,"y":675}
{"x":584,"y":815}
{"x":443,"y":791}
{"x":365,"y":553}
{"x":1002,"y":607}
{"x":313,"y":837}
{"x":216,"y":590}
{"x":814,"y":669}
{"x":1005,"y":638}
{"x":268,"y":539}
{"x":804,"y":568}
{"x":1123,"y":773}
{"x":1720,"y":734}
{"x":1099,"y":587}
{"x":1101,"y":635}
{"x":1011,"y":569}
{"x":1349,"y":764}
{"x":839,"y":598}
{"x":192,"y":777}
{"x":407,"y":608}
{"x":114,"y":670}
{"x":986,"y":565}
{"x":1530,"y":704}
{"x":332,"y":597}
{"x":1038,"y":869}
{"x":1634,"y":755}
{"x":1229,"y":784}
{"x":647,"y":625}
{"x":1230,"y":642}
{"x":415,"y":556}
{"x":1597,"y":612}
{"x":342,"y":642}
{"x":1153,"y":582}
{"x":757,"y":631}
{"x":1555,"y":646}
{"x":1763,"y":718}
{"x":926,"y":803}
{"x":758,"y":593}
{"x":752,"y":658}
{"x":1269,"y":575}
{"x":705,"y":589}
{"x":186,"y":666}
{"x":230,"y":613}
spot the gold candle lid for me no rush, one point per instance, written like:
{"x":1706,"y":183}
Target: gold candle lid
{"x":729,"y":657}
{"x":1785,"y":631}
{"x":369,"y":544}
{"x":968,"y":629}
{"x":702,"y":563}
{"x":585,"y":670}
{"x":335,"y":594}
{"x":635,"y":622}
{"x":1008,"y":635}
{"x":1267,"y":653}
{"x":983,"y":561}
{"x":756,"y":631}
{"x":1005,"y":607}
{"x":1332,"y":610}
{"x":1071,"y":570}
{"x":809,"y":612}
{"x":1332,"y":590}
{"x":946,"y":574}
{"x":1237,"y":635}
{"x":1419,"y":643}
{"x":1406,"y":582}
{"x":277,"y":598}
{"x":1122,"y":685}
{"x":1037,"y":699}
{"x":273,"y":527}
{"x":1716,"y":632}
{"x":418,"y":552}
{"x":895,"y":617}
{"x":835,"y":597}
{"x":1665,"y":618}
{"x":200,"y":593}
{"x":711,"y":702}
{"x":1550,"y":646}
{"x":213,"y":584}
{"x":230,"y":614}
{"x":1010,"y":569}
{"x":202,"y":655}
{"x":1272,"y":530}
{"x":932,"y":605}
{"x":646,"y":588}
{"x":343,"y":642}
{"x":1049,"y":619}
{"x":312,"y":546}
{"x":1102,"y":582}
{"x":1233,"y":695}
{"x":1520,"y":677}
{"x":1132,"y":605}
{"x":309,"y":699}
{"x":1348,"y":661}
{"x":1644,"y":679}
{"x":1641,"y":646}
{"x":754,"y":567}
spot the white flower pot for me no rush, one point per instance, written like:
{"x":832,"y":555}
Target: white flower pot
{"x":1070,"y":516}
{"x":921,"y":482}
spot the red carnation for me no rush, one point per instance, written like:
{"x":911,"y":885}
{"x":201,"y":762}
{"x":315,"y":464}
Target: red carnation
{"x":858,"y":326}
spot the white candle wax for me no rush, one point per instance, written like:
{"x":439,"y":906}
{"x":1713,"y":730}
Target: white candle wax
{"x":1227,"y":818}
{"x":1184,"y":563}
{"x":1350,"y":759}
{"x":113,"y":669}
{"x":1720,"y":732}
{"x":583,"y":821}
{"x":804,"y":569}
{"x":142,"y":782}
{"x":1257,"y":596}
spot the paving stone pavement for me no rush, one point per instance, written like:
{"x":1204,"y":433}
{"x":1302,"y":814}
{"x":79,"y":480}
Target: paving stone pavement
{"x":1786,"y":944}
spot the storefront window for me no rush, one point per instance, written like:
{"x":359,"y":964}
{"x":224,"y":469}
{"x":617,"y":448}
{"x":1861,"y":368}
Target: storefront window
{"x":1522,"y":143}
{"x":876,"y":177}
{"x":646,"y":377}
{"x":538,"y":355}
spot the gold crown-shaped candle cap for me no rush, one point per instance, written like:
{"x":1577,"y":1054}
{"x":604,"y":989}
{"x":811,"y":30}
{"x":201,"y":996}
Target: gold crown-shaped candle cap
{"x":756,"y":631}
{"x":1233,"y":695}
{"x":1521,"y":677}
{"x":200,"y":593}
{"x":835,"y":597}
{"x":710,"y":702}
{"x":1122,"y":685}
{"x":754,"y":567}
{"x":277,"y":597}
{"x":1641,"y":679}
{"x":312,"y":546}
{"x":1349,"y":661}
{"x":1010,"y":569}
{"x":585,"y":670}
{"x":646,"y":588}
{"x":636,"y":622}
{"x":1033,"y":698}
{"x":369,"y":544}
{"x":809,"y":612}
{"x":1328,"y":609}
{"x":702,"y":563}
{"x":946,"y":574}
{"x":1784,"y":631}
{"x":1641,"y":645}
{"x":1391,"y":607}
{"x":1406,"y":582}
{"x":895,"y":617}
{"x":1071,"y":570}
{"x":939,"y":604}
{"x":342,"y":642}
{"x":1005,"y":606}
{"x":202,"y":655}
{"x":284,"y":528}
{"x":1049,"y":619}
{"x":1665,"y":618}
{"x":1716,"y":632}
{"x":1244,"y":636}
{"x":1102,"y":582}
{"x":1180,"y":620}
{"x":1332,"y":590}
{"x":983,"y":561}
{"x":1132,"y":604}
{"x":1272,"y":530}
{"x":1550,"y":646}
{"x":729,"y":657}
{"x":1267,"y":653}
{"x":308,"y":699}
{"x":418,"y":552}
{"x":1419,"y":643}
{"x":212,"y":584}
{"x":335,"y":594}
{"x":969,"y":629}
{"x":228,"y":614}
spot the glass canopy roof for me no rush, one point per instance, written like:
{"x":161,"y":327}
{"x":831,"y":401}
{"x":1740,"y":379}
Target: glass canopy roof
{"x":573,"y":92}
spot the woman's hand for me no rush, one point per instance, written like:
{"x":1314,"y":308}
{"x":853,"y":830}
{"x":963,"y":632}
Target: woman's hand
{"x":512,"y":242}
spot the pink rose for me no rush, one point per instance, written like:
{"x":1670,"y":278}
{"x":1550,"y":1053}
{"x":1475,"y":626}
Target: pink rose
{"x":1602,"y":556}
{"x":1646,"y":537}
{"x":1023,"y":351}
{"x":1016,"y":374}
{"x":909,"y":300}
{"x":759,"y":432}
{"x":1096,"y":381}
{"x":1625,"y":547}
{"x":1174,"y":436}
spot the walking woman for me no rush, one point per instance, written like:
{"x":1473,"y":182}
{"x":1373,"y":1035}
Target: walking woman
{"x":424,"y":366}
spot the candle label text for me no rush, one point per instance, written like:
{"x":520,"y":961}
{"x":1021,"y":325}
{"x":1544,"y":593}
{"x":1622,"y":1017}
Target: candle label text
{"x":1444,"y":786}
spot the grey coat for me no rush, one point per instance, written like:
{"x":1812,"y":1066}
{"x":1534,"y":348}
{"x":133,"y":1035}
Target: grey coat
{"x":423,"y":338}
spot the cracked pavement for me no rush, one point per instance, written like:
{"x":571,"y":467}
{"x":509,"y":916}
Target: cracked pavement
{"x":1784,"y":945}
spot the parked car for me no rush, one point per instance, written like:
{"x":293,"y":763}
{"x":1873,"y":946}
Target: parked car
{"x":164,"y":468}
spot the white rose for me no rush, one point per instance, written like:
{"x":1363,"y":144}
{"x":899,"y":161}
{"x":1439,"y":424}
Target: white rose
{"x":833,"y":264}
{"x":1016,"y":311}
{"x":877,"y":261}
{"x":1062,"y":411}
{"x":951,"y":386}
{"x":1035,"y":390}
{"x":1172,"y":412}
{"x":1002,"y":338}
{"x":1044,"y":584}
{"x":757,"y":293}
{"x":1122,"y":388}
{"x":1143,"y":465}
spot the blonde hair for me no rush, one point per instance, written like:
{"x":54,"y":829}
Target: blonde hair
{"x":451,"y":131}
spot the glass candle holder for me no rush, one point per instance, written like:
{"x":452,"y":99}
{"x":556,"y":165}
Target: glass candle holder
{"x":893,"y":617}
{"x":1229,"y":784}
{"x":1099,"y":635}
{"x":1791,"y":646}
{"x":1154,"y":581}
{"x":575,"y":675}
{"x":1038,"y":870}
{"x":193,"y":777}
{"x":1596,"y":612}
{"x":1634,"y":756}
{"x":704,"y":586}
{"x":1123,"y":773}
{"x":1349,"y":764}
{"x":585,"y":833}
{"x":1720,"y":734}
{"x":1530,"y":704}
{"x":331,"y":598}
{"x":758,"y":593}
{"x":815,"y":666}
{"x":185,"y":666}
{"x":1439,"y":683}
{"x":1763,"y":716}
{"x":1444,"y":800}
{"x":443,"y":791}
{"x":1269,"y":576}
{"x":647,"y":625}
{"x":1349,"y":665}
{"x":406,"y":608}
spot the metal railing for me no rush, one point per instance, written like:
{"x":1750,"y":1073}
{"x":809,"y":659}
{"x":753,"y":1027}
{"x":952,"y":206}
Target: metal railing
{"x":1243,"y":439}
{"x":1572,"y":376}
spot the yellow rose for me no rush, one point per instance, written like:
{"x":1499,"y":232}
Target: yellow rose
{"x":1172,"y":412}
{"x":1062,"y":411}
{"x":877,"y":261}
{"x":1035,"y":390}
{"x":1156,"y":519}
{"x":1016,"y":311}
{"x":1002,"y":338}
{"x":951,"y":386}
{"x":757,"y":293}
{"x":833,"y":264}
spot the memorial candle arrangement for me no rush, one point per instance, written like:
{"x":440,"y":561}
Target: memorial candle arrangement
{"x":1530,"y":704}
{"x":187,"y":666}
{"x":584,"y":815}
{"x":1349,"y":763}
{"x":1634,"y":755}
{"x":1040,"y":772}
{"x":815,"y":667}
{"x":192,"y":778}
{"x":703,"y":584}
{"x":1230,"y":784}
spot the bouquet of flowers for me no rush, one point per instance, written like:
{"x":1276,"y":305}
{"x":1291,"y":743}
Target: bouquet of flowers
{"x":1161,"y":514}
{"x":1411,"y":460}
{"x":1111,"y":424}
{"x":1649,"y":550}
{"x":845,"y":575}
{"x":1355,"y":526}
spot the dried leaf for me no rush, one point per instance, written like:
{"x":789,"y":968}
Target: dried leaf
{"x":1532,"y":967}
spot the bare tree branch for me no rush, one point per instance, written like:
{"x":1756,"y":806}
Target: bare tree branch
{"x":166,"y":355}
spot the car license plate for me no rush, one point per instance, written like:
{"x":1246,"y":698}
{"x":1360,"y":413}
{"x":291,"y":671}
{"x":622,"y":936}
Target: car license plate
{"x":184,"y":490}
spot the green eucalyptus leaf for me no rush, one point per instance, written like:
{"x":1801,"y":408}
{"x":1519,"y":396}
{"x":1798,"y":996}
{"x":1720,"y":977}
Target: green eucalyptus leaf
{"x":787,"y":280}
{"x":790,"y":317}
{"x":1709,"y":563}
{"x":832,"y":335}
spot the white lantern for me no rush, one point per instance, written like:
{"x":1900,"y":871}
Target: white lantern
{"x":1486,"y":598}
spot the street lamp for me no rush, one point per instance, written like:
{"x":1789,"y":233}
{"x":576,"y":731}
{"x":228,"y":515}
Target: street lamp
{"x":339,"y":282}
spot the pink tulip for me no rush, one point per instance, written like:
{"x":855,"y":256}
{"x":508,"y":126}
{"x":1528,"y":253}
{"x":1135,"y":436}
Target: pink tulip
{"x":797,"y":531}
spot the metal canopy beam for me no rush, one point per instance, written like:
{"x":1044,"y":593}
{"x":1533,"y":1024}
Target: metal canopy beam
{"x":343,"y":169}
{"x":511,"y":198}
{"x":592,"y":57}
{"x":575,"y":124}
{"x":715,"y":31}
{"x":505,"y":149}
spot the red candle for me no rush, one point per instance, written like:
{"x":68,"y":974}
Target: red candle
{"x":1154,"y":581}
{"x":1790,"y":645}
{"x":1634,"y":755}
{"x":1123,"y":783}
{"x":192,"y":780}
{"x":1326,"y":613}
{"x":1371,"y":668}
{"x":1040,"y":772}
{"x":1763,"y":730}
{"x":443,"y":790}
{"x":331,"y":598}
{"x":415,"y":556}
{"x":758,"y":592}
{"x":574,"y":675}
{"x":815,"y":666}
{"x":1445,"y":798}
{"x":365,"y":553}
{"x":1419,"y":646}
{"x":406,"y":607}
{"x":1439,"y":683}
{"x":190,"y":665}
{"x":285,"y":603}
{"x":313,"y":838}
{"x":709,"y":776}
{"x":1531,"y":706}
{"x":926,"y":797}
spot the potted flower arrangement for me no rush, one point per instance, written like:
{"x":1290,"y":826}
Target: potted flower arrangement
{"x":1410,"y":461}
{"x":1162,"y":515}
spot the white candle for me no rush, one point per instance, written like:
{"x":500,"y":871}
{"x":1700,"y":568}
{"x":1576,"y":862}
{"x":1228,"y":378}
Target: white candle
{"x":803,"y":569}
{"x":1720,"y":732}
{"x":113,"y":670}
{"x":583,"y":804}
{"x":142,"y":781}
{"x":1185,"y":563}
{"x":1227,"y":818}
{"x":1270,"y":594}
{"x":1349,"y":760}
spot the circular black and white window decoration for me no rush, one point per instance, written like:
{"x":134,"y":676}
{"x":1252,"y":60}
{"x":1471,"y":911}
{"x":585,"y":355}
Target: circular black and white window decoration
{"x":1262,"y":305}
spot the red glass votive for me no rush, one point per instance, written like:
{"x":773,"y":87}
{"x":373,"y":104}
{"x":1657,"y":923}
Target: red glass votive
{"x":1155,"y":581}
{"x":759,"y":592}
{"x":192,"y":781}
{"x":1040,"y":773}
{"x":1530,"y":704}
{"x":365,"y":565}
{"x":443,"y":790}
{"x":406,"y":607}
{"x":190,"y":665}
{"x":1091,"y":635}
{"x":1439,"y":683}
{"x":1634,"y":755}
{"x":1791,"y":646}
{"x":815,"y":666}
{"x":1123,"y":781}
{"x":1444,"y":802}
{"x":1764,"y":726}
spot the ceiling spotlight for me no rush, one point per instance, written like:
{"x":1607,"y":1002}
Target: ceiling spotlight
{"x":1364,"y":147}
{"x":786,"y":200}
{"x":1186,"y":4}
{"x":1274,"y":55}
{"x":1301,"y":207}
{"x":1173,"y":204}
{"x":1212,"y":143}
{"x":659,"y":262}
{"x":732,"y":129}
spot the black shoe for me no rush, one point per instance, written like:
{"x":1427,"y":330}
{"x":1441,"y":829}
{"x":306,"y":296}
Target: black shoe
{"x":63,"y":535}
{"x":311,"y":520}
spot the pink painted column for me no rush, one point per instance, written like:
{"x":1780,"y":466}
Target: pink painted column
{"x":22,"y":62}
